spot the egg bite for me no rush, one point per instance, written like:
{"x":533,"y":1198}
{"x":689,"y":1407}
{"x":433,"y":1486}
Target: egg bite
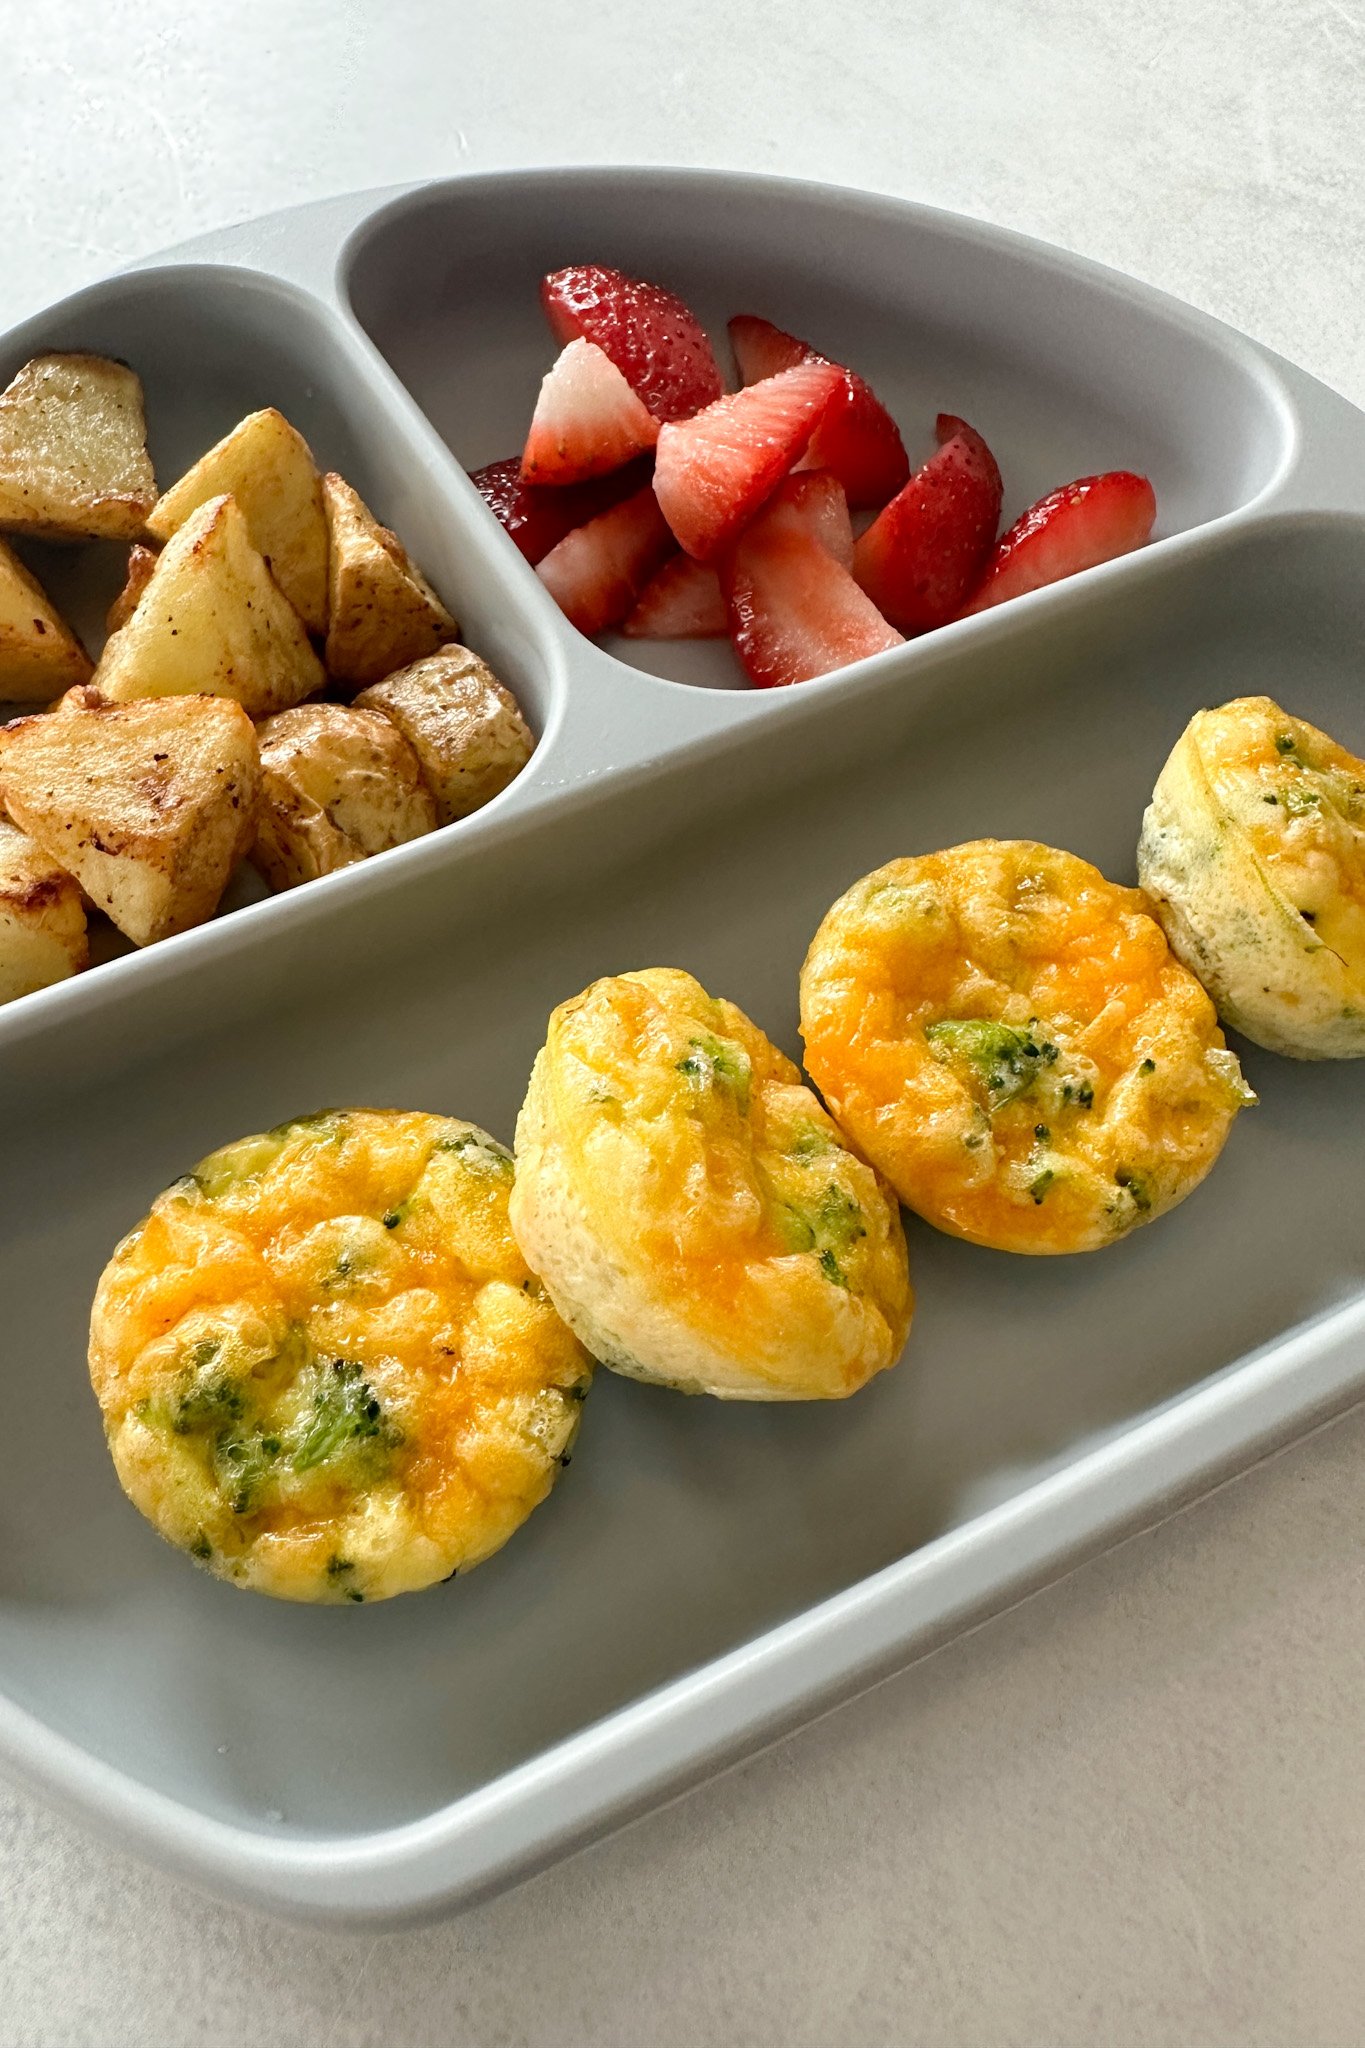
{"x":325,"y":1370}
{"x":1010,"y":1040}
{"x":692,"y":1209}
{"x":1253,"y":850}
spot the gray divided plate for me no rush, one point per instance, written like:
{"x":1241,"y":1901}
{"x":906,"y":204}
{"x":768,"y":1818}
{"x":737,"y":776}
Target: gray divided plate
{"x":706,"y":1575}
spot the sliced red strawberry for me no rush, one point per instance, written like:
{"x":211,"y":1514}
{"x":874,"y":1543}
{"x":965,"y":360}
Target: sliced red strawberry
{"x":596,"y":572}
{"x":919,"y":560}
{"x":795,"y":612}
{"x":683,"y":602}
{"x":1077,"y":527}
{"x":587,"y":420}
{"x":762,"y":350}
{"x":818,"y":496}
{"x":857,"y":437}
{"x":713,"y":472}
{"x":656,"y":343}
{"x":538,"y":516}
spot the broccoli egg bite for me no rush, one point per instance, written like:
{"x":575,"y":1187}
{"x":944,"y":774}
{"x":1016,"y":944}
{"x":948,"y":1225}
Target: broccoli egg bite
{"x":1253,"y":849}
{"x":1010,"y":1040}
{"x":693,"y":1211}
{"x":325,"y":1370}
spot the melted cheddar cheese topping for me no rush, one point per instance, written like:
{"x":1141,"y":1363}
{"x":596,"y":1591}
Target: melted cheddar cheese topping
{"x":324,"y":1367}
{"x":1009,"y":1038}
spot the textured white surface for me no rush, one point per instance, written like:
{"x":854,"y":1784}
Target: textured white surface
{"x":1133,"y":1811}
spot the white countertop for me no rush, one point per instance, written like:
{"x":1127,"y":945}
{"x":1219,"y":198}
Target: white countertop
{"x":1132,"y":1811}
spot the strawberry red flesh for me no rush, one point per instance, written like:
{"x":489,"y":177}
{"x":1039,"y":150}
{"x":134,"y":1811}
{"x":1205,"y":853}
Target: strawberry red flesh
{"x":921,"y":558}
{"x":1077,"y":527}
{"x":857,"y":437}
{"x":587,"y":420}
{"x":683,"y":602}
{"x":713,"y":472}
{"x":818,"y":496}
{"x":538,"y":516}
{"x":655,"y":341}
{"x":596,"y":573}
{"x":762,"y":350}
{"x":795,"y":612}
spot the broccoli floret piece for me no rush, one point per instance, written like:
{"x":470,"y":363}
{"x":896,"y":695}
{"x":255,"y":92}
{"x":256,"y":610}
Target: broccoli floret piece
{"x":345,"y":1411}
{"x":242,"y":1463}
{"x":839,"y":1220}
{"x":833,"y":1226}
{"x":721,"y":1063}
{"x":479,"y":1153}
{"x":1005,"y":1058}
{"x":810,"y":1142}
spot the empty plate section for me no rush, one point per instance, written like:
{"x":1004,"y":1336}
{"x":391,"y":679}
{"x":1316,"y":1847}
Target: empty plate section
{"x":684,"y":1527}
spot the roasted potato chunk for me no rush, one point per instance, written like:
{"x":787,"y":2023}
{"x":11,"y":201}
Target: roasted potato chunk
{"x":141,"y":562}
{"x":337,"y":785}
{"x":150,"y":805}
{"x":42,"y":918}
{"x":40,"y":656}
{"x":212,"y":621}
{"x":465,"y":728}
{"x":382,"y":612}
{"x":73,"y":450}
{"x":268,"y":467}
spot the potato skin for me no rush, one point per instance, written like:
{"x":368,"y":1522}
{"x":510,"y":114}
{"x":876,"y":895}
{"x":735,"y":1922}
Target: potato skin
{"x":691,"y":1208}
{"x":337,"y":785}
{"x":465,"y":727}
{"x":42,"y":918}
{"x":1253,"y":852}
{"x":324,"y":1369}
{"x":381,"y":611}
{"x":141,"y":562}
{"x":73,"y":450}
{"x":1008,"y":1037}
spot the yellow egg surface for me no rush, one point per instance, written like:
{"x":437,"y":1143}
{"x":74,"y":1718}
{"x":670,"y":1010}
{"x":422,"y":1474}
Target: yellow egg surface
{"x":1009,"y":1038}
{"x":693,"y":1210}
{"x":325,"y":1370}
{"x":1253,"y":849}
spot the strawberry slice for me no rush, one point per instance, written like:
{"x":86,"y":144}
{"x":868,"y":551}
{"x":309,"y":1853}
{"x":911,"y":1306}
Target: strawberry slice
{"x":795,"y":612}
{"x":656,"y":343}
{"x":857,"y":438}
{"x":1077,"y":527}
{"x":596,"y":572}
{"x":538,"y":516}
{"x":712,"y":472}
{"x":819,"y":497}
{"x":919,"y":560}
{"x":587,"y":420}
{"x":762,"y":350}
{"x":683,"y":602}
